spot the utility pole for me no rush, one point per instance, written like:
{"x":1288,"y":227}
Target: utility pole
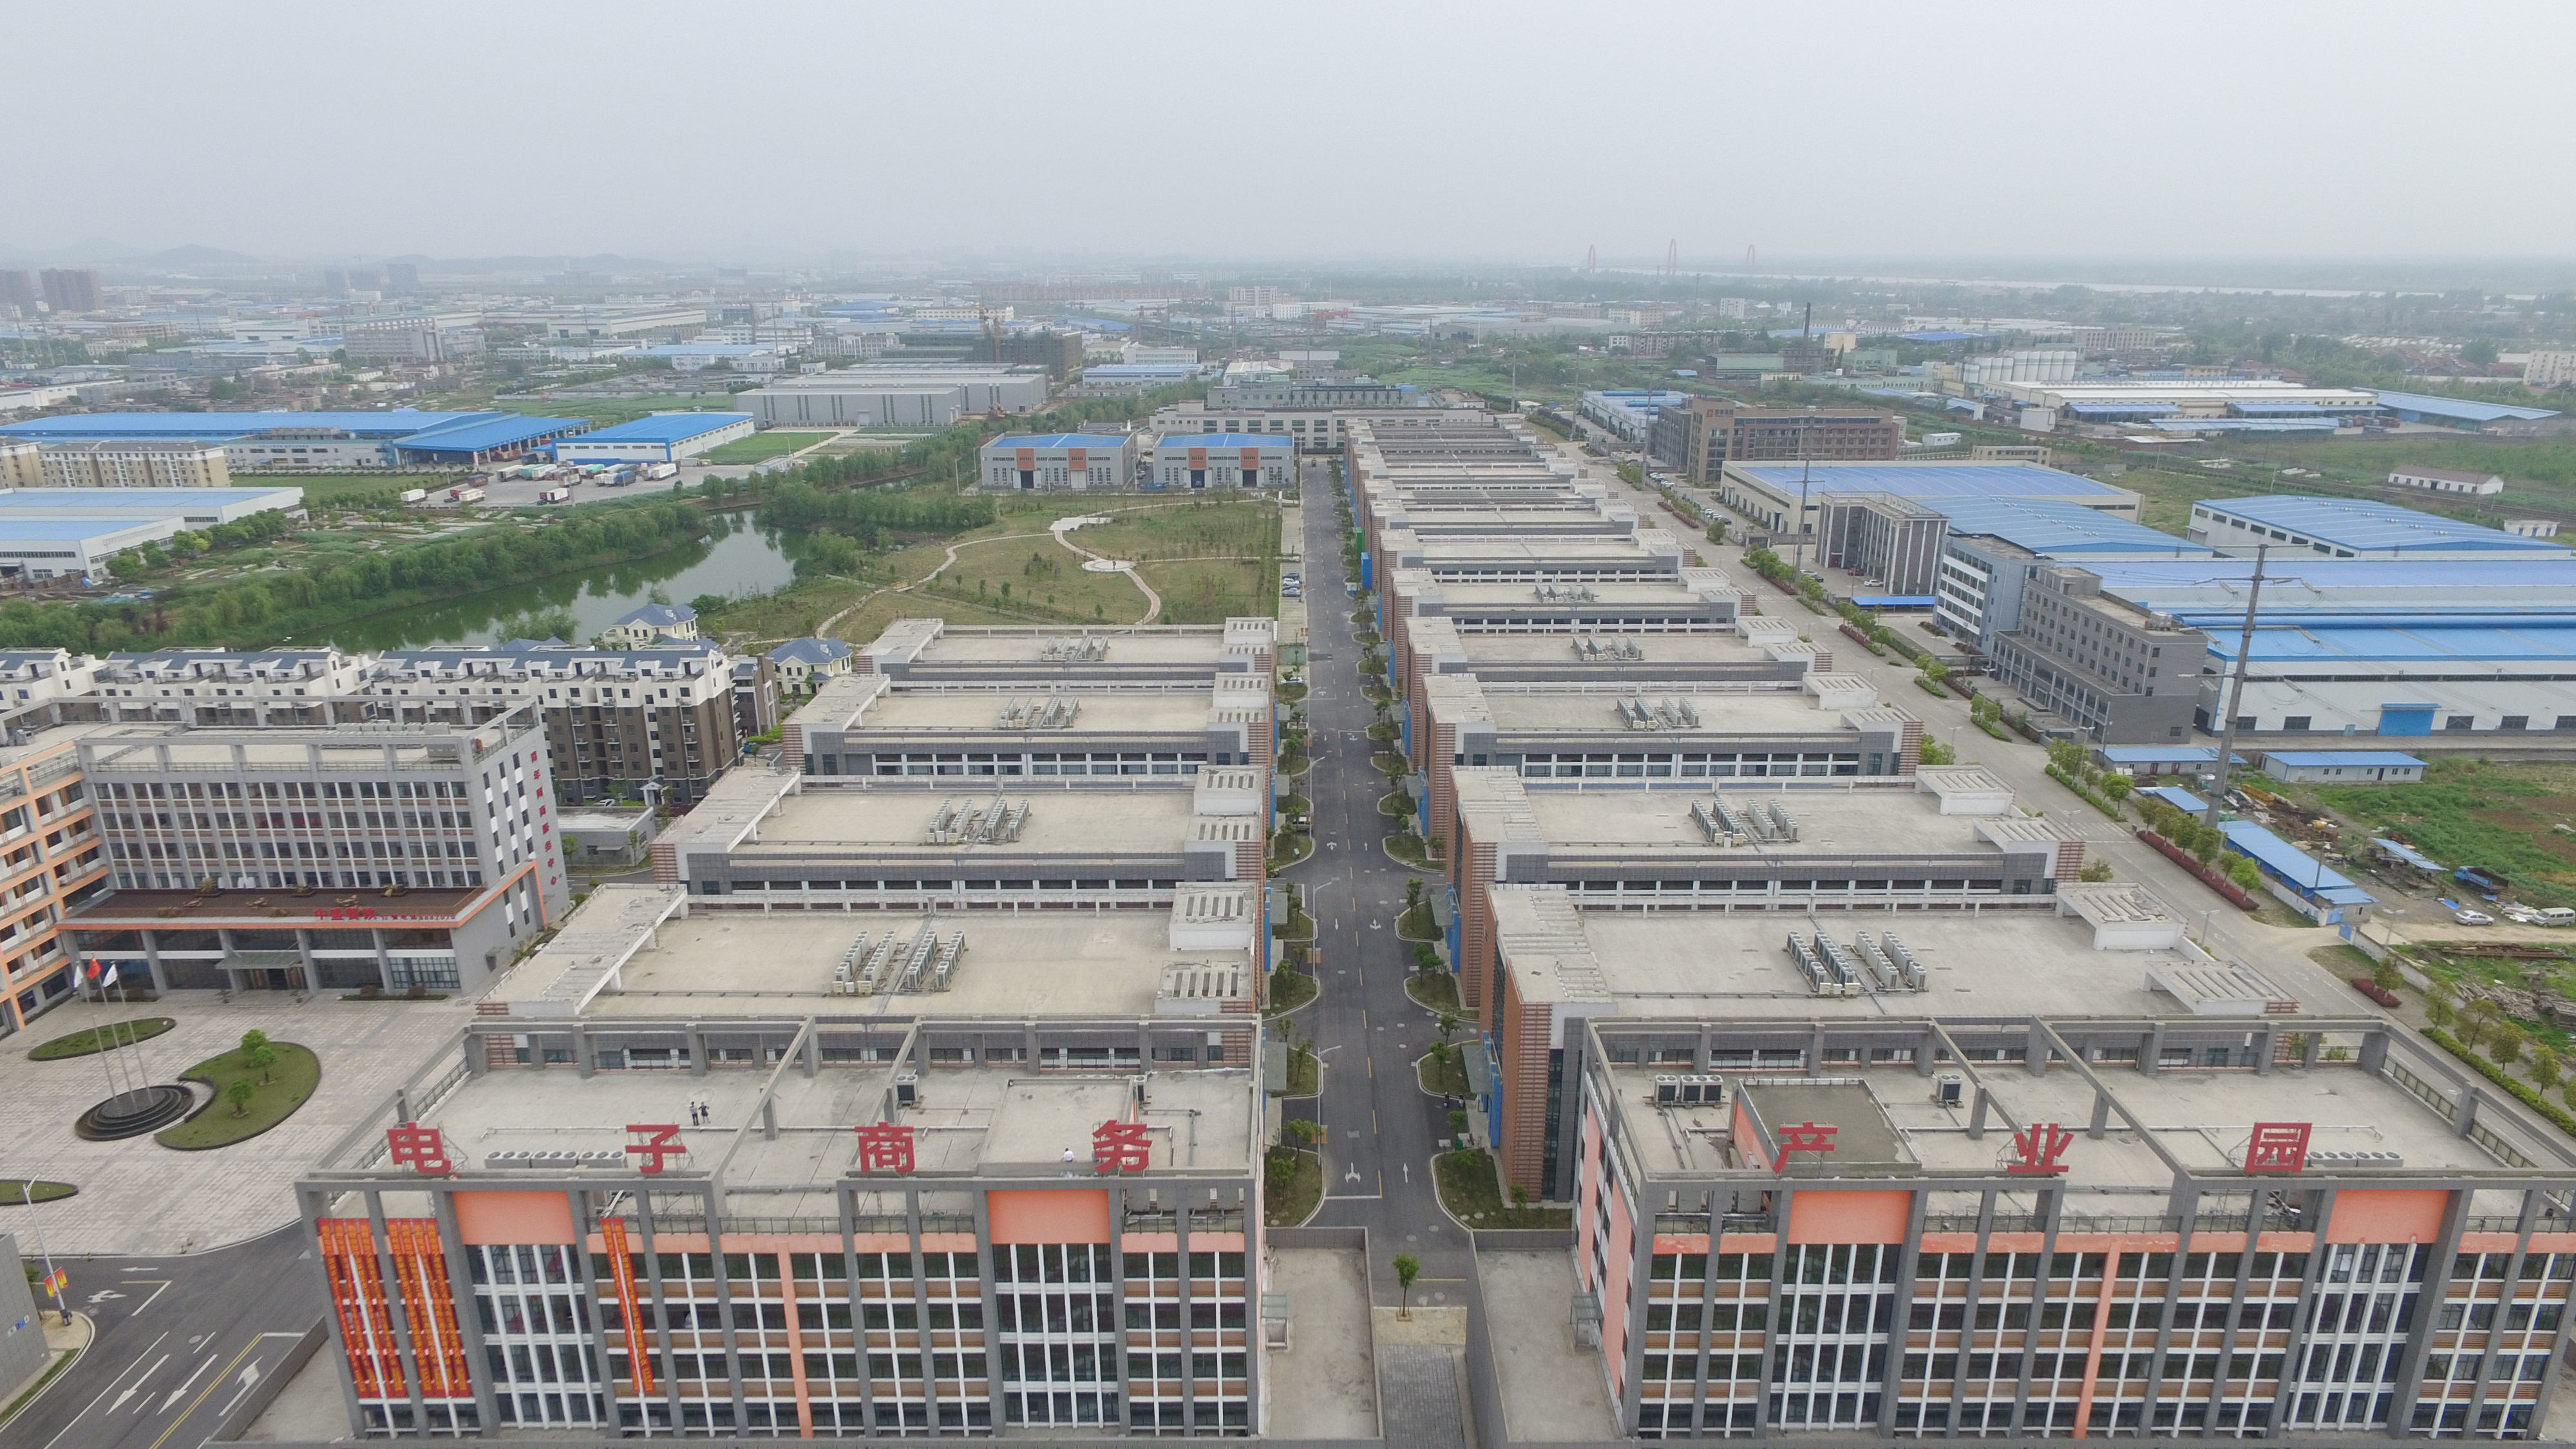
{"x":2235,"y":692}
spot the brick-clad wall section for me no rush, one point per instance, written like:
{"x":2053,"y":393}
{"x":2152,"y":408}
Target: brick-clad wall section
{"x":1442,"y":780}
{"x":1910,"y":747}
{"x":1251,"y":861}
{"x":666,"y":862}
{"x":1521,"y":1049}
{"x":791,"y":742}
{"x":1475,"y":963}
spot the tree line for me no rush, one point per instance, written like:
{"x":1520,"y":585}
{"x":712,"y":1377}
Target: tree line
{"x":241,"y":611}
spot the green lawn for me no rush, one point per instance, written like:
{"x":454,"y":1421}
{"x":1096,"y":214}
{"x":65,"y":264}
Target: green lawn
{"x":86,"y":1043}
{"x":1441,"y":1079}
{"x":1290,"y":990}
{"x":291,"y":1081}
{"x":1295,"y":1193}
{"x":19,"y":1191}
{"x":760,"y":446}
{"x":1474,"y":1195}
{"x":1437,"y":990}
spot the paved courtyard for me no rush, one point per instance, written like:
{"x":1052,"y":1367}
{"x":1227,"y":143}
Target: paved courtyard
{"x":138,"y":1196}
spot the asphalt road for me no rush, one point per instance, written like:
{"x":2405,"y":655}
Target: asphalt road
{"x":180,"y":1342}
{"x":1380,"y":1126}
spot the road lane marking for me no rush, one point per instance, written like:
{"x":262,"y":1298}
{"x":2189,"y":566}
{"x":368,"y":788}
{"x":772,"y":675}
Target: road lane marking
{"x":156,"y":1293}
{"x":183,"y":1388}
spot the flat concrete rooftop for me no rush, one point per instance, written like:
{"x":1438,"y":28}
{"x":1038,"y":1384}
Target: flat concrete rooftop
{"x":1882,"y":821}
{"x":1459,"y":594}
{"x":2201,"y":1118}
{"x":841,"y":820}
{"x":1017,"y":965}
{"x":972,"y":1121}
{"x":1723,"y":716}
{"x":1657,"y":649}
{"x":1109,"y":713}
{"x":1736,"y":965}
{"x":1203,"y":644}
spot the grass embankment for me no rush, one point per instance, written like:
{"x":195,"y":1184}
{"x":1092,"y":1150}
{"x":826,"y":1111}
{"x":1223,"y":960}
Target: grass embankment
{"x":220,"y":1123}
{"x":100,"y":1038}
{"x":1473,"y":1195}
{"x":1416,"y":924}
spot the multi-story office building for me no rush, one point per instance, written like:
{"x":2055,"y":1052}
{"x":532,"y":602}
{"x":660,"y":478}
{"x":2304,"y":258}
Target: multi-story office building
{"x":1707,"y":433}
{"x":966,"y":1226}
{"x":416,"y":340}
{"x":18,"y":290}
{"x":1825,"y":727}
{"x":874,"y":726}
{"x":51,"y":858}
{"x":318,"y":857}
{"x":1295,"y":394}
{"x":1316,"y":429}
{"x":2122,"y":674}
{"x":2078,"y":1211}
{"x":136,"y":463}
{"x":1944,"y":839}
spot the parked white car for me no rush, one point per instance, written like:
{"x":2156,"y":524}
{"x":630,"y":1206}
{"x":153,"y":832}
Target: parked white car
{"x":2473,"y":918}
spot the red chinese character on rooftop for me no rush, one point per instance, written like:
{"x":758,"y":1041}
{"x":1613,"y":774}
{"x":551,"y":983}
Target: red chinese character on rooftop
{"x":1804,"y":1137}
{"x":419,"y":1148}
{"x":2039,"y":1148}
{"x":2278,"y":1147}
{"x":1121,"y":1147}
{"x":661,"y":1142}
{"x":885,"y":1147}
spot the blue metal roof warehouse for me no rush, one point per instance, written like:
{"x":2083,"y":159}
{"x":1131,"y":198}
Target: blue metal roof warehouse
{"x":393,"y":423}
{"x":2367,"y":526}
{"x":478,"y":436}
{"x":1934,"y":484}
{"x":2059,"y":529}
{"x":666,"y":428}
{"x":2416,"y":407}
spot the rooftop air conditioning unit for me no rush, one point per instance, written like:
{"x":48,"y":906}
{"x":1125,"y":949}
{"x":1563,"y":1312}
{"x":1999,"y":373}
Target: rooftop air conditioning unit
{"x":1668,"y":1090}
{"x":1949,"y":1089}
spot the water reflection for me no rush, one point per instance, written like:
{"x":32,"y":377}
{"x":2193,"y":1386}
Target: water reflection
{"x":736,"y":559}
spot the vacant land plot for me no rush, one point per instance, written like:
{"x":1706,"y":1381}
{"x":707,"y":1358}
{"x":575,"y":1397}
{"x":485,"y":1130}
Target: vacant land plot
{"x":761,"y":446}
{"x":348,"y":490}
{"x":1225,"y":528}
{"x":2502,"y":818}
{"x":1211,"y":591}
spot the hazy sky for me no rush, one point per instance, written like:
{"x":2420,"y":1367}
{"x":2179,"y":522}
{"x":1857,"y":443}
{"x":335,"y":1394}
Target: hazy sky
{"x":1296,"y":131}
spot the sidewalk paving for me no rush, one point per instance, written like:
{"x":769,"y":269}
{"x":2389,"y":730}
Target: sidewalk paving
{"x":137,"y":1196}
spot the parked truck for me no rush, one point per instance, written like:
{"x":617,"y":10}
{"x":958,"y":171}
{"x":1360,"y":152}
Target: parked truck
{"x":414,"y":495}
{"x":464,"y":495}
{"x":555,"y":495}
{"x":656,"y":472}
